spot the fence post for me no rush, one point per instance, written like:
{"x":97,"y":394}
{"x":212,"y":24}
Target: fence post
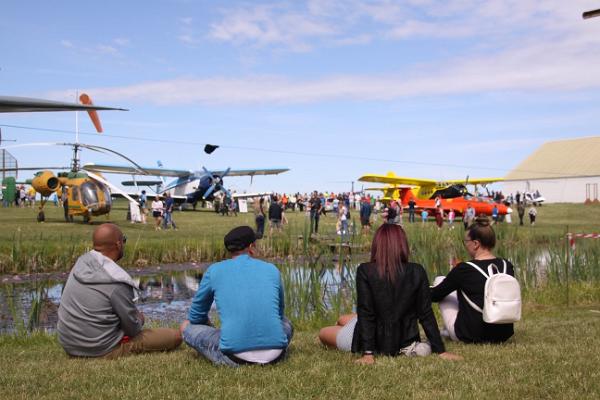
{"x":569,"y":265}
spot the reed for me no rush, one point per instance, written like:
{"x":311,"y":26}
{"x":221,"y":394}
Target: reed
{"x":548,"y":271}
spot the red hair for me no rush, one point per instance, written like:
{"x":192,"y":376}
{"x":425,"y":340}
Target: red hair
{"x":389,"y":250}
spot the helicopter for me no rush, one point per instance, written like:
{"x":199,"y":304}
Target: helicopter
{"x":86,"y":194}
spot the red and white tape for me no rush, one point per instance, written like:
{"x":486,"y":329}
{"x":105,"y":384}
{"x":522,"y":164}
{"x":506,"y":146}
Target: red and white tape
{"x":571,"y":237}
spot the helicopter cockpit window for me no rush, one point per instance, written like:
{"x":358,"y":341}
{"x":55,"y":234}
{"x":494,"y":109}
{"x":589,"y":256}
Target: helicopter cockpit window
{"x":107,"y":199}
{"x":88,"y":193}
{"x":74,"y":193}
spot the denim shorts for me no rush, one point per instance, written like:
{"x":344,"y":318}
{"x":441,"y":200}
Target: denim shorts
{"x":205,"y":340}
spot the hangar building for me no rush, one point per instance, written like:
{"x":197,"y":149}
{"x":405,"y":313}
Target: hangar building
{"x":564,"y":171}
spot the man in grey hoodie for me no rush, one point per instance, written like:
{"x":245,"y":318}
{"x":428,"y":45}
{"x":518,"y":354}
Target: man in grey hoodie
{"x":97,"y":316}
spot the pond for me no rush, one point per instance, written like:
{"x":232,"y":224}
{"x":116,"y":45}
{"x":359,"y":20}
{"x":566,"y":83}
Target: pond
{"x":28,"y":304}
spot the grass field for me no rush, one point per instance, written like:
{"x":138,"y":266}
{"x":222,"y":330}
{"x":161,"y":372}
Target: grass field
{"x":553,"y":355}
{"x":27,"y":246}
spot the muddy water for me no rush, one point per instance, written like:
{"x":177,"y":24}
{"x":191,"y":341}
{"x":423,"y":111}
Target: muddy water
{"x":30,"y":303}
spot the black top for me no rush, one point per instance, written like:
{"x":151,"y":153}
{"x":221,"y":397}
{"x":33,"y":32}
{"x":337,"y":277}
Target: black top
{"x":388,"y":313}
{"x":315,"y":204}
{"x":275,"y":211}
{"x":469,"y":326}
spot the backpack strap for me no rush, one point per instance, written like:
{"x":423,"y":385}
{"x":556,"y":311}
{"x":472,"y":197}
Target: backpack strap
{"x":471,"y":303}
{"x":504,"y":262}
{"x":478,"y":269}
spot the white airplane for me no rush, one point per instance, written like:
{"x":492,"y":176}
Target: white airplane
{"x":189,"y":186}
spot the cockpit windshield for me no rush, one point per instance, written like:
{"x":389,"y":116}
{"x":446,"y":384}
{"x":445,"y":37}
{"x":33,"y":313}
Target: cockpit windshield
{"x":107,"y":199}
{"x":89,"y":195}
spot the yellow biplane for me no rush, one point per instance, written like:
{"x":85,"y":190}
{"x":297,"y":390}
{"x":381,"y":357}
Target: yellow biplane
{"x":423,"y":188}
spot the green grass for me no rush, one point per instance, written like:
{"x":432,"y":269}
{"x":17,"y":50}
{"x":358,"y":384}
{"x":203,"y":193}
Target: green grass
{"x":553,"y":355}
{"x":27,"y":246}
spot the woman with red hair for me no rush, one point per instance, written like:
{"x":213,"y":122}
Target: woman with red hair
{"x":392,"y":295}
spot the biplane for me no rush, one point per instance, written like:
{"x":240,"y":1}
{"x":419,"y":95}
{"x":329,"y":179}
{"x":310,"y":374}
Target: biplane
{"x":453,"y":194}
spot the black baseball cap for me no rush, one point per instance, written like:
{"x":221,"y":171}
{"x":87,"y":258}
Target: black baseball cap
{"x":239,"y":238}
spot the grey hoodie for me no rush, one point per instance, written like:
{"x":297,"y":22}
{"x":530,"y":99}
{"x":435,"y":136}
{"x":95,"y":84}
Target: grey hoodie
{"x":96,"y":308}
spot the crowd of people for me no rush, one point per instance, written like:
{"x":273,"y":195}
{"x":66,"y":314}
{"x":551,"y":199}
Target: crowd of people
{"x":97,"y":316}
{"x":24,"y":197}
{"x":162,"y":208}
{"x":272,"y":209}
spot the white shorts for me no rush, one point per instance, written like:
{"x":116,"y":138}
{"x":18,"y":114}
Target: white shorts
{"x":343,"y":342}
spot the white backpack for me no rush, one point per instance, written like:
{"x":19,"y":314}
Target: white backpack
{"x":501,"y":296}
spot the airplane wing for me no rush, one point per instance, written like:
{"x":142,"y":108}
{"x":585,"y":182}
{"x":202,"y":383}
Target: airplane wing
{"x":249,"y":195}
{"x":396,"y":180}
{"x":141,"y":183}
{"x":252,"y":172}
{"x":10,"y":104}
{"x":121,"y":169}
{"x":385,"y":188}
{"x":475,"y":181}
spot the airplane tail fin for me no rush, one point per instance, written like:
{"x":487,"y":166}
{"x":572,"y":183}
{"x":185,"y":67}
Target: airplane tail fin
{"x":85,"y":99}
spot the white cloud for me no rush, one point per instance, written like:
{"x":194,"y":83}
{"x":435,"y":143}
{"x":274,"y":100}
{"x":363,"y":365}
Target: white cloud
{"x":315,"y":23}
{"x":66,"y":43}
{"x":106,"y":49}
{"x":187,"y":39}
{"x":530,"y":68}
{"x":187,"y":33}
{"x":547,"y":48}
{"x":269,"y":25}
{"x":121,"y":41}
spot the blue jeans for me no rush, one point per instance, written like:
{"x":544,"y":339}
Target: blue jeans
{"x":205,"y":340}
{"x":168,"y":220}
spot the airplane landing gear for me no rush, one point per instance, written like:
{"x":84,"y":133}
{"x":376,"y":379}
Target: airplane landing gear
{"x":41,"y":217}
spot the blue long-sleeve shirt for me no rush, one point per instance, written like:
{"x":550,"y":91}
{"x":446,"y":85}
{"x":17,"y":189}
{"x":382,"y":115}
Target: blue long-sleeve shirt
{"x":249,"y":298}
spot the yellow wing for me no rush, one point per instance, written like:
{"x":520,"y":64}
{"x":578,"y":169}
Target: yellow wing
{"x":476,"y":181}
{"x":392,"y":179}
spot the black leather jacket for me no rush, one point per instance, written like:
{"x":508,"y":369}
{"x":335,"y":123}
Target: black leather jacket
{"x":388,"y":313}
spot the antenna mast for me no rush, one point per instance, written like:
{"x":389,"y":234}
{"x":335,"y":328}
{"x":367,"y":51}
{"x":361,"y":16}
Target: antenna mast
{"x":75,"y":161}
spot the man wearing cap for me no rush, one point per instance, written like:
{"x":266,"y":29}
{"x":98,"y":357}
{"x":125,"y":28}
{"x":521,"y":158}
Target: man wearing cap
{"x":249,"y":297}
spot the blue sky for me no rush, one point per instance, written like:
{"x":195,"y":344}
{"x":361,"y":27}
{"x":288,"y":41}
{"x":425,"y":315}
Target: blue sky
{"x":330,"y":89}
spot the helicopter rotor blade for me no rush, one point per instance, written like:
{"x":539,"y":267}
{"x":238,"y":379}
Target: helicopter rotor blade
{"x":29,"y":169}
{"x":13,"y":146}
{"x":136,"y":165}
{"x":82,"y":145}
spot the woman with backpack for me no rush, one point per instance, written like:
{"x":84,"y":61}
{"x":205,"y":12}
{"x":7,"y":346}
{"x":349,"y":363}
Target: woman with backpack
{"x":392,"y":295}
{"x":461,"y":293}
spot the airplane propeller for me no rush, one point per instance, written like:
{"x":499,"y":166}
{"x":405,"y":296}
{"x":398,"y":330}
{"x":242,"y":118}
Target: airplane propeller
{"x":217,"y":182}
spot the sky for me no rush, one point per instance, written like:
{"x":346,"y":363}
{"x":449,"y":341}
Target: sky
{"x":330,"y":89}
